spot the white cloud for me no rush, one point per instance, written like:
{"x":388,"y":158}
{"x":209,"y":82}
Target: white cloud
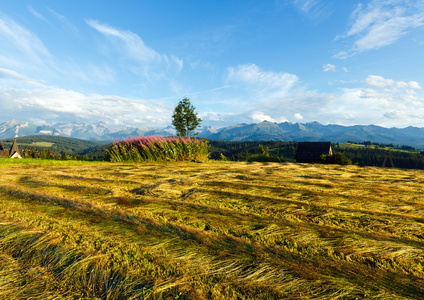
{"x":259,"y":116}
{"x":328,"y":67}
{"x":263,"y":95}
{"x":380,"y":101}
{"x":381,"y":23}
{"x":298,"y":116}
{"x":414,"y":85}
{"x":213,"y":116}
{"x":395,"y":115}
{"x":384,"y":102}
{"x":380,"y":82}
{"x":59,"y":105}
{"x":370,"y":102}
{"x":268,"y":84}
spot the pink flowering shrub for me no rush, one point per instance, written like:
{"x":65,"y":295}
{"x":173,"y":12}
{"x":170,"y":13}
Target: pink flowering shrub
{"x":138,"y":149}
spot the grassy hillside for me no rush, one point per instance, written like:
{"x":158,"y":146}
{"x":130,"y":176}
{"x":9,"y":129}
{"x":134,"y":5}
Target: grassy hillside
{"x":378,"y":147}
{"x":57,"y":144}
{"x":84,"y":230}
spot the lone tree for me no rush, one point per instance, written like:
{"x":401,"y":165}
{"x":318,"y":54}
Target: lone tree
{"x":184,"y":119}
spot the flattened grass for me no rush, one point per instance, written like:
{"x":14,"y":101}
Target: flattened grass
{"x":215,"y":230}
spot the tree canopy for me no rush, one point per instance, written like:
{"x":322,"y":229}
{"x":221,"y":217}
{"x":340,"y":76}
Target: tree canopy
{"x":185,"y":119}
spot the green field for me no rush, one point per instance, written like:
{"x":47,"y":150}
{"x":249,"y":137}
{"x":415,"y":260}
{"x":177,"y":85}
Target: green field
{"x":212,"y":230}
{"x":38,"y":144}
{"x":362,"y":146}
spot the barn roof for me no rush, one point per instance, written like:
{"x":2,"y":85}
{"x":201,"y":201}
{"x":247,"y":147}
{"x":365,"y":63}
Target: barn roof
{"x":14,"y":148}
{"x":311,"y":151}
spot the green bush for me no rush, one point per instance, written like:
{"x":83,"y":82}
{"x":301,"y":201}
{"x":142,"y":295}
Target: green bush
{"x":222,"y":157}
{"x":263,"y":158}
{"x":337,"y":158}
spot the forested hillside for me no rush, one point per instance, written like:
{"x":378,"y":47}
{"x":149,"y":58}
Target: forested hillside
{"x":374,"y":156}
{"x":366,"y":154}
{"x":57,"y":145}
{"x":362,"y":155}
{"x":240,"y":151}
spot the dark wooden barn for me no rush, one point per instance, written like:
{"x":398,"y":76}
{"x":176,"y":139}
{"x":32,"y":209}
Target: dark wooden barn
{"x":309,"y":152}
{"x":12,"y":153}
{"x":3,"y":152}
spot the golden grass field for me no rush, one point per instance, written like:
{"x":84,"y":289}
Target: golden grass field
{"x":211,"y":230}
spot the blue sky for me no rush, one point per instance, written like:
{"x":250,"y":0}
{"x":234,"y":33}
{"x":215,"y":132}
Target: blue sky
{"x":130,"y":62}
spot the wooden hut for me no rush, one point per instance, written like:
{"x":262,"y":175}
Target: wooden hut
{"x":3,"y":152}
{"x":309,"y":152}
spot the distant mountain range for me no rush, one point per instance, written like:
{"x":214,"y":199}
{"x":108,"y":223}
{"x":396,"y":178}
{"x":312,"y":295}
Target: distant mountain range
{"x":93,"y":132}
{"x":265,"y":131}
{"x":314,"y":132}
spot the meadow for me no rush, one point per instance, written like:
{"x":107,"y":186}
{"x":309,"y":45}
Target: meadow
{"x":209,"y":230}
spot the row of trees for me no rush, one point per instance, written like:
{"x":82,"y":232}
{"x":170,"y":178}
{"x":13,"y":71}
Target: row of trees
{"x":243,"y":151}
{"x":382,"y":145}
{"x":48,"y":154}
{"x":286,"y":151}
{"x":367,"y":156}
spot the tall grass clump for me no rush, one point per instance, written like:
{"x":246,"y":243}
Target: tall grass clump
{"x":140,"y":149}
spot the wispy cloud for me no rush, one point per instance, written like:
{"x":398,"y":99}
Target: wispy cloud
{"x":64,"y":22}
{"x":132,"y":47}
{"x":381,"y":23}
{"x":25,"y":60}
{"x":19,"y":45}
{"x":328,"y":67}
{"x":306,"y":5}
{"x":36,"y":14}
{"x":255,"y":79}
{"x":6,"y":74}
{"x":315,"y":9}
